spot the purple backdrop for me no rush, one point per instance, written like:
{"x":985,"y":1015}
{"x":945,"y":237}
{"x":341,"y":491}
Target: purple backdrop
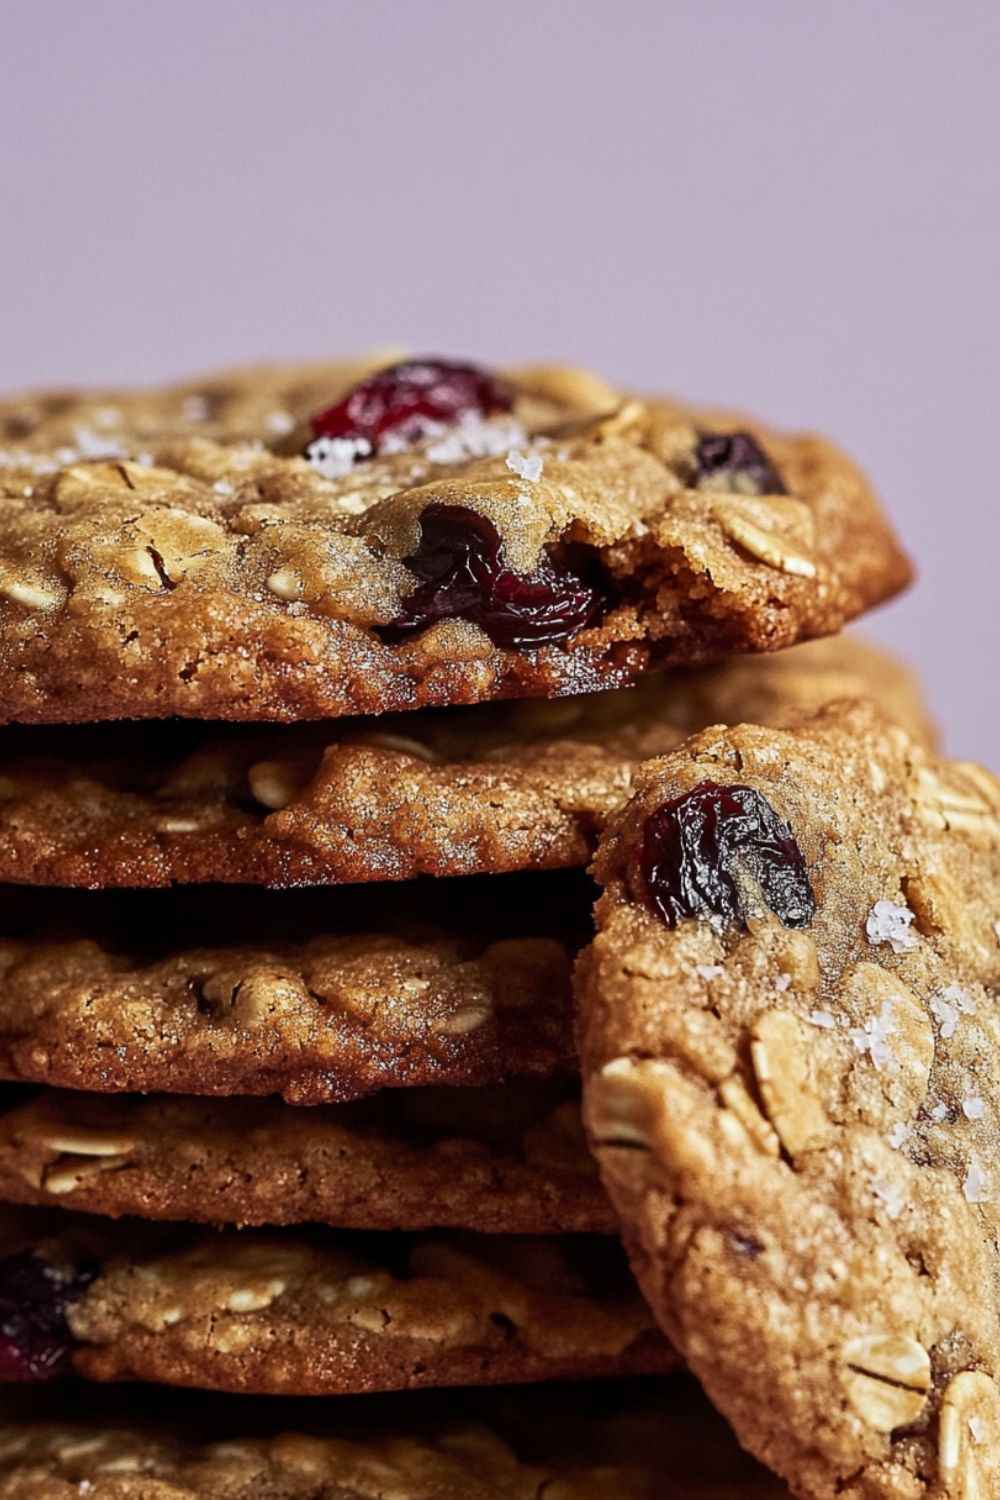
{"x":790,"y":207}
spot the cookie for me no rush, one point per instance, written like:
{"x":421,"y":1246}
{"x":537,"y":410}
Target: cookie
{"x":507,"y":1160}
{"x":488,"y":789}
{"x":625,"y":1440}
{"x":337,"y":995}
{"x":315,"y":1312}
{"x":431,"y":534}
{"x":792,"y":1082}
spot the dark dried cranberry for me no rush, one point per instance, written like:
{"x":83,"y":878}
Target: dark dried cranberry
{"x":34,"y":1297}
{"x":694,"y":845}
{"x":463,"y":575}
{"x":410,"y":399}
{"x":737,"y":460}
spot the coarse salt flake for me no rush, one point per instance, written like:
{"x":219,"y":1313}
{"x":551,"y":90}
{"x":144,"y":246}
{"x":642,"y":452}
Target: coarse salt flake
{"x":973,"y":1107}
{"x":873,"y":1036}
{"x":824,"y":1018}
{"x":222,"y":487}
{"x":782,"y":982}
{"x":709,"y":971}
{"x":335,"y":457}
{"x":899,"y":1135}
{"x":279,"y":422}
{"x":946,"y":1005}
{"x":977,"y":1429}
{"x":891,"y":1196}
{"x":473,"y":436}
{"x":889,"y":923}
{"x":976,"y":1186}
{"x":524,"y":465}
{"x":939,"y":1113}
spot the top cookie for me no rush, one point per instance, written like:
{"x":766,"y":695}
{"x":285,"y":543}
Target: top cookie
{"x":792,"y":1067}
{"x":308,"y":543}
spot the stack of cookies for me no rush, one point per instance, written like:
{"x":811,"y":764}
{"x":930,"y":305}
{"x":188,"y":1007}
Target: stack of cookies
{"x":289,"y":1114}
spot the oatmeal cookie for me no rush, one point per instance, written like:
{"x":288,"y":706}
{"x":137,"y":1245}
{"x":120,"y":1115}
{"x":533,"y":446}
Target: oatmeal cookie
{"x":505,"y":1160}
{"x":315,"y":1312}
{"x":319,"y":996}
{"x":303,"y":544}
{"x":790,"y":1045}
{"x":620,"y":1440}
{"x":487,"y":789}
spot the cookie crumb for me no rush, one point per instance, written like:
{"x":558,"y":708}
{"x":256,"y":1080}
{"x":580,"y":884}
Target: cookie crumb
{"x":889,"y":923}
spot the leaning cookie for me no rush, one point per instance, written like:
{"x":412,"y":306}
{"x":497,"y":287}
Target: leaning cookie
{"x":315,"y":1312}
{"x":317,"y":995}
{"x":422,"y":534}
{"x":790,"y":1045}
{"x":506,"y":1160}
{"x":601,"y":1440}
{"x":477,"y":790}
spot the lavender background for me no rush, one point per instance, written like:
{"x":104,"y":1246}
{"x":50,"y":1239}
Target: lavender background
{"x":791,"y":207}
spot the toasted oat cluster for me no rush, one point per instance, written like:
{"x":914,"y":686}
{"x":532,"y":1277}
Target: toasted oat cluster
{"x":307,"y":543}
{"x":334,"y":995}
{"x":790,"y":1045}
{"x":323,"y":1313}
{"x":506,"y":1160}
{"x":486,"y":789}
{"x":595,"y":1441}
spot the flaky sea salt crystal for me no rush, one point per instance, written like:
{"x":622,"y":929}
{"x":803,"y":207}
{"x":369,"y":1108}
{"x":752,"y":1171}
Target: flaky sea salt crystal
{"x":889,"y":923}
{"x":524,"y":465}
{"x":709,"y":971}
{"x":824,"y":1018}
{"x":473,"y":436}
{"x":90,"y":444}
{"x":973,"y":1107}
{"x":899,"y":1135}
{"x":873,"y":1036}
{"x":976,"y":1186}
{"x":335,"y":457}
{"x":946,"y":1005}
{"x":891,"y":1196}
{"x":782,"y":982}
{"x":977,"y":1429}
{"x":222,"y":487}
{"x":279,"y":422}
{"x":939,"y":1113}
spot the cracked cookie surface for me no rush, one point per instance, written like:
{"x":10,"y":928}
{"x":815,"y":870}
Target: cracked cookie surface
{"x":506,"y":1160}
{"x":487,"y":789}
{"x":314,"y":1312}
{"x":175,"y":553}
{"x":623,"y":1440}
{"x":790,"y":1046}
{"x":337,"y":995}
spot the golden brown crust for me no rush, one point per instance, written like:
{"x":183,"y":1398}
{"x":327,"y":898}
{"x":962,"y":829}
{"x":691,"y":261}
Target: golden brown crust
{"x":321,"y":1313}
{"x":507,"y":1160}
{"x":338,"y":994}
{"x":491,"y":789}
{"x":161,"y":556}
{"x":799,"y":1126}
{"x":628,"y":1440}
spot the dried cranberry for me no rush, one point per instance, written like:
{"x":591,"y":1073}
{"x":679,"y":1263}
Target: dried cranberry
{"x":738,"y":460}
{"x":34,"y":1298}
{"x":463,"y":575}
{"x":695,"y":844}
{"x":411,"y":399}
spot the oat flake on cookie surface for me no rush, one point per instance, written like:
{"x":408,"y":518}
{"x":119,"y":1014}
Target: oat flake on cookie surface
{"x":296,"y":543}
{"x":492,"y":788}
{"x":791,"y":1054}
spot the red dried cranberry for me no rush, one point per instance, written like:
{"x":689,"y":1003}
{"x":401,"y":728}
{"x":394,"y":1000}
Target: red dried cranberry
{"x":694,"y":843}
{"x":463,"y":575}
{"x":34,"y":1298}
{"x":740,"y":460}
{"x":410,"y":399}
